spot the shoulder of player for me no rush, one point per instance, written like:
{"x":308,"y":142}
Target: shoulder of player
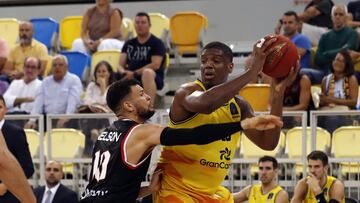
{"x":337,"y":184}
{"x":302,"y":184}
{"x":282,"y":194}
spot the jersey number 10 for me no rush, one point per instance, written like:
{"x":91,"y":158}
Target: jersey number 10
{"x":100,"y":165}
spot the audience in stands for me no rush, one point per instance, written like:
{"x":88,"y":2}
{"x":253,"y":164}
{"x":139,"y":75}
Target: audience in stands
{"x":290,"y":24}
{"x":143,"y":57}
{"x":20,"y":95}
{"x":27,"y":46}
{"x":59,"y":93}
{"x":339,"y":38}
{"x":54,"y":191}
{"x":339,"y":91}
{"x":4,"y":51}
{"x":15,"y":139}
{"x":268,"y":189}
{"x":316,"y":19}
{"x":100,"y":29}
{"x":318,"y":186}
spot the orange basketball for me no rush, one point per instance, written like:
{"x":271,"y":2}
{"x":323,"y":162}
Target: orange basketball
{"x":279,"y":62}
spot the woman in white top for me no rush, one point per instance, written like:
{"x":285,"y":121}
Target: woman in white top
{"x":340,"y":92}
{"x":95,"y":96}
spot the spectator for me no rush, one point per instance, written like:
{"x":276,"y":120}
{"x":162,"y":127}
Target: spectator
{"x":54,"y":191}
{"x":100,"y":29}
{"x":316,"y":19}
{"x":95,"y":95}
{"x":354,"y":14}
{"x":340,"y":91}
{"x":21,"y":93}
{"x":59,"y":93}
{"x":26,"y":48}
{"x":268,"y":190}
{"x":143,"y":57}
{"x":339,"y":38}
{"x":4,"y":51}
{"x":290,"y":24}
{"x":318,"y":186}
{"x":15,"y":139}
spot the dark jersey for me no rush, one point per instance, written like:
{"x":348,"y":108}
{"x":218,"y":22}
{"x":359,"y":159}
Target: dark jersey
{"x":113,"y":178}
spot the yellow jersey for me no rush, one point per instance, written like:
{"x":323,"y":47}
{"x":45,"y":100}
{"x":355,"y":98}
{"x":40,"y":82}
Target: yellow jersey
{"x":310,"y":196}
{"x":194,"y":173}
{"x":256,"y":195}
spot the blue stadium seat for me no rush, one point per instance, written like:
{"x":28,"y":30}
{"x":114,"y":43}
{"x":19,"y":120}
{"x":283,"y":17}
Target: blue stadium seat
{"x":78,"y":62}
{"x":46,"y":30}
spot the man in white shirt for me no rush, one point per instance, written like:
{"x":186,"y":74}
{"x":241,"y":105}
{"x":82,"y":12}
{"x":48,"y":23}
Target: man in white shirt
{"x":59,"y":93}
{"x":20,"y":95}
{"x":54,"y":191}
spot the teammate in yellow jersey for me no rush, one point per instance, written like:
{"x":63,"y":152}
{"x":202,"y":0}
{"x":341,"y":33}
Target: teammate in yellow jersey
{"x":195,"y":173}
{"x":318,"y":187}
{"x":268,"y":191}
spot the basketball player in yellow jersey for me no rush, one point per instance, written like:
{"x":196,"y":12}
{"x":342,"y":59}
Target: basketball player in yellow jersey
{"x":319,"y":187}
{"x":268,"y":191}
{"x":195,"y":173}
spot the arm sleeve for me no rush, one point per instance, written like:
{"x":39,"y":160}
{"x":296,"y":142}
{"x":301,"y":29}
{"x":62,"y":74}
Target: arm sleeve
{"x":200,"y":135}
{"x":11,"y":94}
{"x":125,"y":47}
{"x":159,"y":48}
{"x":324,"y":7}
{"x":74,"y":95}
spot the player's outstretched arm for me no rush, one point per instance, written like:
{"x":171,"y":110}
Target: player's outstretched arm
{"x":204,"y":134}
{"x":12,"y":175}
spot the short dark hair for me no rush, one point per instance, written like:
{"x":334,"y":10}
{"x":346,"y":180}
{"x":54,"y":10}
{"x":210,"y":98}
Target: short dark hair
{"x":109,"y":69}
{"x":319,"y":155}
{"x":142,"y":14}
{"x":269,"y":158}
{"x":117,"y":92}
{"x":221,"y":46}
{"x":292,"y":13}
{"x":349,"y":66}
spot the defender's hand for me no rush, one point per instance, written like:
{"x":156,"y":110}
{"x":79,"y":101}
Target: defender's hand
{"x":262,"y":122}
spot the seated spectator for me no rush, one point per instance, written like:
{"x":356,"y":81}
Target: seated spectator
{"x":268,"y":190}
{"x":297,"y":97}
{"x":95,"y":95}
{"x":27,"y":47}
{"x":290,"y":24}
{"x":337,"y":39}
{"x":21,"y":93}
{"x":100,"y":29}
{"x":316,"y":19}
{"x":354,"y":14}
{"x":59,"y":93}
{"x":54,"y":191}
{"x":143,"y":57}
{"x":4,"y":51}
{"x":339,"y":91}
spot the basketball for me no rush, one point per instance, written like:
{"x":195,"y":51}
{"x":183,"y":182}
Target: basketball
{"x":284,"y":56}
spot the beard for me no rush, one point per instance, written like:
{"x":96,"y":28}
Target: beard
{"x":25,"y":40}
{"x":52,"y":183}
{"x":146,"y":113}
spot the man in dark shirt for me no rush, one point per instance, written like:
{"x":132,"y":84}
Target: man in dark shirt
{"x":143,"y":57}
{"x":318,"y":13}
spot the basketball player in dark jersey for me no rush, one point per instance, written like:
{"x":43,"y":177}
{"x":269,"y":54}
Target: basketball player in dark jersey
{"x":121,"y":154}
{"x":13,"y":176}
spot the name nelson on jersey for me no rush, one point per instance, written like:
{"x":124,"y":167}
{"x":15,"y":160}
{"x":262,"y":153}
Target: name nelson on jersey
{"x":109,"y":136}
